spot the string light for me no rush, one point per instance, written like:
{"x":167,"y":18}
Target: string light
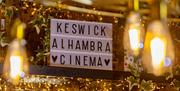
{"x":66,"y":83}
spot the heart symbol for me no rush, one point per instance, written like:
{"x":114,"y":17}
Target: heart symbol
{"x":54,"y":58}
{"x":107,"y":61}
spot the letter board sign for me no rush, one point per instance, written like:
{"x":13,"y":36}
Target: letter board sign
{"x":80,"y":44}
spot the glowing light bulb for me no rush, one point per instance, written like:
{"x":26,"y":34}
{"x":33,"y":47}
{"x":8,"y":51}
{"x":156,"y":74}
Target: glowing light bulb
{"x":134,"y":37}
{"x":158,"y":52}
{"x":15,"y":66}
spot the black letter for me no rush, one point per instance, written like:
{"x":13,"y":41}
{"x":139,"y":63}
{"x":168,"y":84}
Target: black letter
{"x":81,"y":29}
{"x":73,"y":26}
{"x":59,"y":27}
{"x":77,"y":60}
{"x":92,"y":62}
{"x":70,"y":44}
{"x":92,"y":45}
{"x":95,"y":28}
{"x":89,"y":29}
{"x":78,"y":45}
{"x":54,"y":43}
{"x":85,"y":45}
{"x":99,"y":62}
{"x":62,"y":61}
{"x":66,"y":26}
{"x":99,"y":46}
{"x":102,"y":31}
{"x":62,"y":44}
{"x":107,"y":47}
{"x":70,"y":59}
{"x":85,"y":59}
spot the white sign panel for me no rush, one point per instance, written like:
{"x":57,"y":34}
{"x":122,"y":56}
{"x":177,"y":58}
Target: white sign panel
{"x":81,"y":44}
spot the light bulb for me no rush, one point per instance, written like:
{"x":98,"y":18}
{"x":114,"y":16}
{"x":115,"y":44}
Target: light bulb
{"x":16,"y":62}
{"x":133,"y":39}
{"x":133,"y":34}
{"x":158,"y":49}
{"x":16,"y":65}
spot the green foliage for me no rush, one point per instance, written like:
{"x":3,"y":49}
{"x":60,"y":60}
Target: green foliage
{"x":135,"y":69}
{"x":41,"y":23}
{"x":147,"y":85}
{"x":176,"y":84}
{"x":177,"y":72}
{"x":10,"y":12}
{"x":142,"y":85}
{"x":135,"y":66}
{"x":132,"y":82}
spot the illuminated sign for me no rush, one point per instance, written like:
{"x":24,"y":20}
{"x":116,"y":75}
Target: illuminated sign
{"x":81,"y":44}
